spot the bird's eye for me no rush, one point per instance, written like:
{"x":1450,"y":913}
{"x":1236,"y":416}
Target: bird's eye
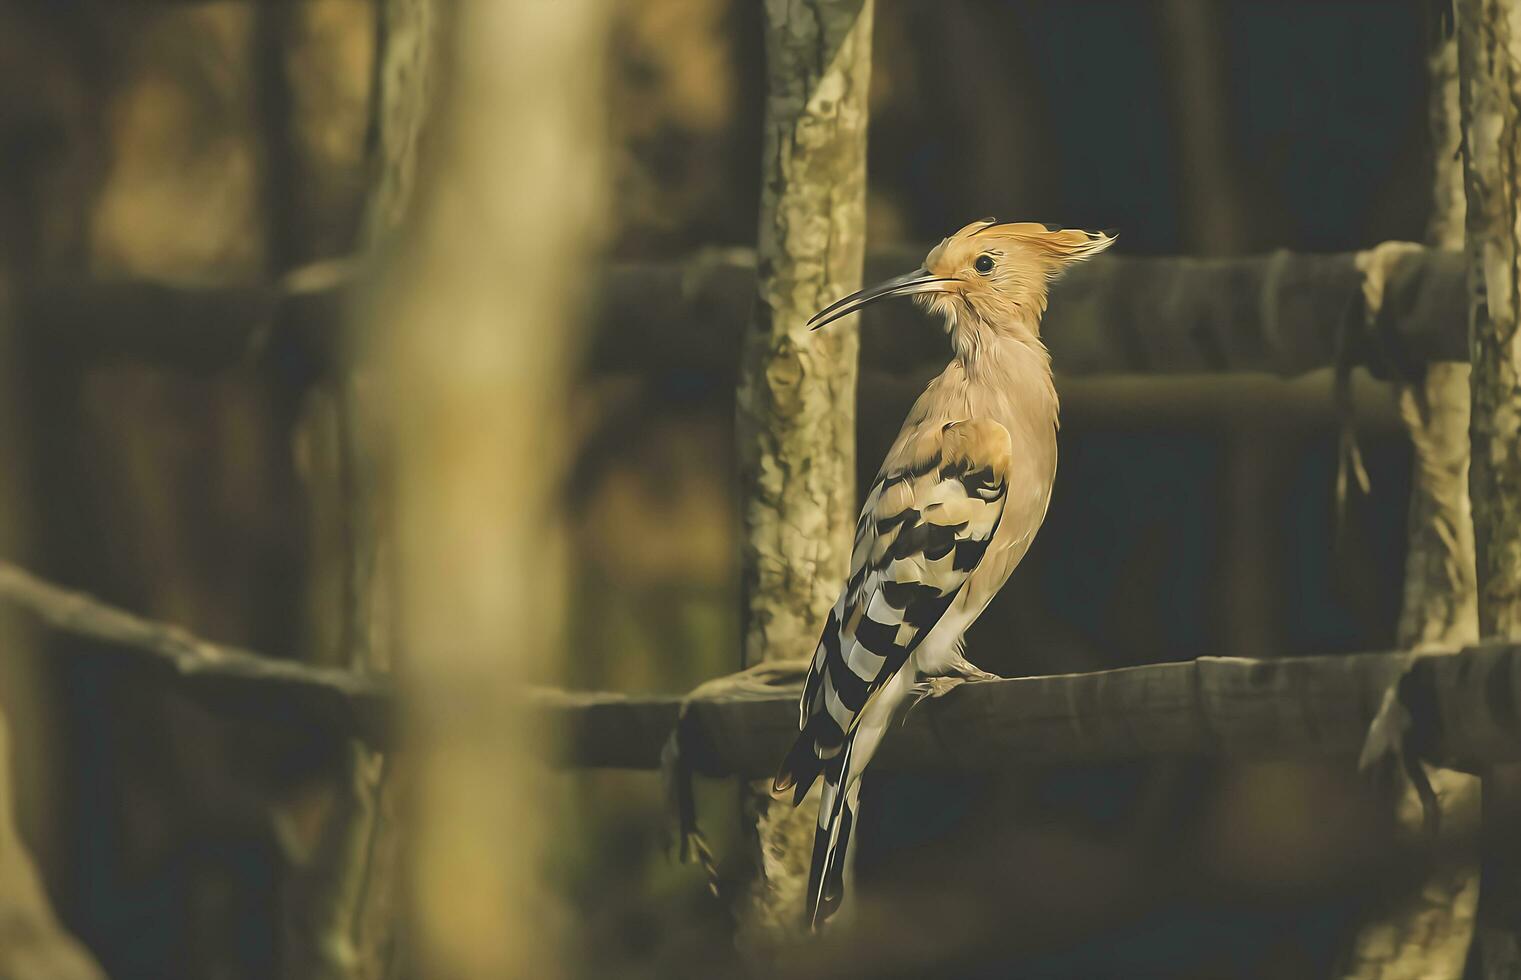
{"x":984,"y":264}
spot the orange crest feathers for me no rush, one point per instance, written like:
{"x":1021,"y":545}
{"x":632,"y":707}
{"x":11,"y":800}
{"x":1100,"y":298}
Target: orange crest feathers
{"x":1064,"y":244}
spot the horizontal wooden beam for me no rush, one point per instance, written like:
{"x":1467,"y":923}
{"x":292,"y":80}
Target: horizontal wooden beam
{"x":293,"y":324}
{"x":1283,"y":313}
{"x":232,"y":681}
{"x":1463,"y":707}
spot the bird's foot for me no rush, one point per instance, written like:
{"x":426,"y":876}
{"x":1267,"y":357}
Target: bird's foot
{"x":933,"y":687}
{"x":936,"y":687}
{"x":939,"y":687}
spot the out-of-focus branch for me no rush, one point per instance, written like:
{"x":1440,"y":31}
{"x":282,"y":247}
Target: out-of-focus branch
{"x":238,"y":681}
{"x":1279,"y":313}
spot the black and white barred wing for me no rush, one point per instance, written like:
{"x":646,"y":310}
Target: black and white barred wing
{"x":924,"y":528}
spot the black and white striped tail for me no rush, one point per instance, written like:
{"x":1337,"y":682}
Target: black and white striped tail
{"x":831,"y":841}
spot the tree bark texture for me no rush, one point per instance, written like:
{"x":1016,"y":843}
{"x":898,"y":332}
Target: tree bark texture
{"x":1489,"y":59}
{"x":797,"y":388}
{"x":1491,"y":32}
{"x":479,"y":340}
{"x":1427,"y":930}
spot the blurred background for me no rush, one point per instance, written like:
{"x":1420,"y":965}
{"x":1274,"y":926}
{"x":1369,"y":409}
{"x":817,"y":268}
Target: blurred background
{"x":227,"y":143}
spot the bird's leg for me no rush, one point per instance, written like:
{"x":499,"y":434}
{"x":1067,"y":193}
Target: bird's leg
{"x":940,"y":686}
{"x":971,"y":672}
{"x":935,"y":687}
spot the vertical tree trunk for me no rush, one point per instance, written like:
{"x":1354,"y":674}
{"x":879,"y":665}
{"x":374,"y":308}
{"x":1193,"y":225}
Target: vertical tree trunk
{"x":1489,"y":57}
{"x":480,"y":339}
{"x":797,"y":390}
{"x":1427,"y":933}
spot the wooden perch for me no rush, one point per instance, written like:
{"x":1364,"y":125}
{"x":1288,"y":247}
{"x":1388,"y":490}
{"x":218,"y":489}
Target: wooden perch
{"x":1465,"y":707}
{"x":1278,"y":313}
{"x":238,"y":681}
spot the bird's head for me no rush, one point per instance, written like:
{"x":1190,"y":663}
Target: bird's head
{"x":986,"y":277}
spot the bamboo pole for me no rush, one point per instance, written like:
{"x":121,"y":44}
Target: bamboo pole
{"x":1489,"y":59}
{"x":479,"y":342}
{"x":797,"y":388}
{"x":1426,"y":931}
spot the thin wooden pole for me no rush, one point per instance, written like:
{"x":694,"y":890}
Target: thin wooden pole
{"x":797,"y":388}
{"x":1427,"y":931}
{"x":348,"y":923}
{"x":481,"y":337}
{"x":1489,"y":61}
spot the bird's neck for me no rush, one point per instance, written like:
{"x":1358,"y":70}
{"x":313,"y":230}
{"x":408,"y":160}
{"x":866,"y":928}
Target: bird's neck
{"x":1008,"y":363}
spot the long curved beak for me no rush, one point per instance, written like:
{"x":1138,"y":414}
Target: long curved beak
{"x":918,"y":281}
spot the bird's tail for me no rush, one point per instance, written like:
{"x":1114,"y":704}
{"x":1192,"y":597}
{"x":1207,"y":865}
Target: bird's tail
{"x":838,"y":806}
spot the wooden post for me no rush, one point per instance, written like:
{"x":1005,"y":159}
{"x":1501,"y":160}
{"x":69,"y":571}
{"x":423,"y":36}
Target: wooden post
{"x":1427,"y":932}
{"x":481,"y":330}
{"x":344,"y":925}
{"x":33,"y":945}
{"x":797,"y":389}
{"x":1489,"y":60}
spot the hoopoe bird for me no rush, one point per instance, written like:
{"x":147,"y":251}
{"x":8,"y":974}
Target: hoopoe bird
{"x":952,"y":511}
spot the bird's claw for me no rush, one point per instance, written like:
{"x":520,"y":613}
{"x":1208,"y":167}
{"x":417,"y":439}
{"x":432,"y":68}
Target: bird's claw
{"x":936,"y":687}
{"x":939,"y":687}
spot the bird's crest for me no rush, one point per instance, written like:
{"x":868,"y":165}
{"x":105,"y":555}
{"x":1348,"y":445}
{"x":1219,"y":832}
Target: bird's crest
{"x":1065,"y":244}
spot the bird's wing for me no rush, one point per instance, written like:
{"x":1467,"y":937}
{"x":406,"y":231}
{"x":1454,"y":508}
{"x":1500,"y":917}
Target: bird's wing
{"x":926,"y":523}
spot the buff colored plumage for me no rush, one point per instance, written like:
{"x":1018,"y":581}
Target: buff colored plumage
{"x":954,"y":508}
